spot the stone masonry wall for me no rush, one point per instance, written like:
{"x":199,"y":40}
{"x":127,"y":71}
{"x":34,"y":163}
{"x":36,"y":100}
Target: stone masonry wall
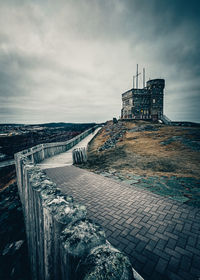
{"x":62,"y":242}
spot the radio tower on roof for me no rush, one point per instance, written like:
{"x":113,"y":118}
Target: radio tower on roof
{"x":136,"y":76}
{"x":143,"y":77}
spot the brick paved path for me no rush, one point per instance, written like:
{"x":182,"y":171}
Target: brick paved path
{"x":160,"y":236}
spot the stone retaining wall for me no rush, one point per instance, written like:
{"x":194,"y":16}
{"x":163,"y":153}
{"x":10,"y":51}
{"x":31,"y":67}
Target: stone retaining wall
{"x":63,"y":244}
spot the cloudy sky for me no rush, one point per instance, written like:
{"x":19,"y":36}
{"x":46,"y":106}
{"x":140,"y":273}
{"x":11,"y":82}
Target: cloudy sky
{"x":70,"y":60}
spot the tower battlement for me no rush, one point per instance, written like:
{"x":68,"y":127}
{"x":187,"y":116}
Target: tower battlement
{"x":158,"y":83}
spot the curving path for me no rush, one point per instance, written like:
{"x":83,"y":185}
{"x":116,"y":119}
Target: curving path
{"x":161,"y":236}
{"x":64,"y":159}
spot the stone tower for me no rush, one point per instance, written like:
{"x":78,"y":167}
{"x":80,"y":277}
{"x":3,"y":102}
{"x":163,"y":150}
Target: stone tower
{"x":145,"y":103}
{"x":156,"y":90}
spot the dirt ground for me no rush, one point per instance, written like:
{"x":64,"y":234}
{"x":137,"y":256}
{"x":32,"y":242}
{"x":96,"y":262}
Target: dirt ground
{"x":147,"y":149}
{"x":7,"y":176}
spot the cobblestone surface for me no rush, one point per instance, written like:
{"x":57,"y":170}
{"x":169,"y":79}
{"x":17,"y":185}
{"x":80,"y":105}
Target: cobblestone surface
{"x":160,"y":236}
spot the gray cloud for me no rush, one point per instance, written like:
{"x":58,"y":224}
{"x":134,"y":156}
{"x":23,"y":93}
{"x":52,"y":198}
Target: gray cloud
{"x":71,"y":60}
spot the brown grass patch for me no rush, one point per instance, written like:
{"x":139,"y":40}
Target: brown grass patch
{"x":143,"y":153}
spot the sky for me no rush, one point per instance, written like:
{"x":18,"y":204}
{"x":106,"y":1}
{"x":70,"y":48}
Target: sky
{"x":70,"y":60}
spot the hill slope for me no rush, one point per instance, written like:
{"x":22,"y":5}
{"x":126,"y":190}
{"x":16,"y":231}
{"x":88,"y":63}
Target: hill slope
{"x":165,"y":159}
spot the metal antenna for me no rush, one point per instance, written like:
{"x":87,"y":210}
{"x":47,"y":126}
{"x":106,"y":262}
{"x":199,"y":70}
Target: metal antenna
{"x":143,"y":77}
{"x":137,"y":74}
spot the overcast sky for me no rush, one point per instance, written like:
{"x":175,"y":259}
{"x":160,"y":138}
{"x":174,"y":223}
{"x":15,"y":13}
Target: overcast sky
{"x":71,"y":60}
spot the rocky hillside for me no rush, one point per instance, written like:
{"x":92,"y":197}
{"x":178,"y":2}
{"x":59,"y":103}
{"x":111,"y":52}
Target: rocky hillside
{"x":164,"y":159}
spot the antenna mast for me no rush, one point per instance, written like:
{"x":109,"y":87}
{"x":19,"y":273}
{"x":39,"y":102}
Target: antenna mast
{"x":137,"y":74}
{"x":133,"y":81}
{"x":143,"y":77}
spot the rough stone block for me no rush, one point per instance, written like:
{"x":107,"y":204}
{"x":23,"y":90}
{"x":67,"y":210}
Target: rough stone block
{"x":77,"y":240}
{"x":104,"y":262}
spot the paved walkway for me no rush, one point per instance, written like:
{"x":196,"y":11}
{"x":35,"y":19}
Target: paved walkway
{"x":160,"y":236}
{"x":64,"y":159}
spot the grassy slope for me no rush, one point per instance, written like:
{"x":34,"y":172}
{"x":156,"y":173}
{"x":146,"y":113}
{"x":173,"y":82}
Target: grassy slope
{"x":143,"y":153}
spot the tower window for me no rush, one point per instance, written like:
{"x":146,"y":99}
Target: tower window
{"x":154,"y":101}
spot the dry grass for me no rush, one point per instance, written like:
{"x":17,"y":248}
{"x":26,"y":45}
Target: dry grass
{"x":142,"y":152}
